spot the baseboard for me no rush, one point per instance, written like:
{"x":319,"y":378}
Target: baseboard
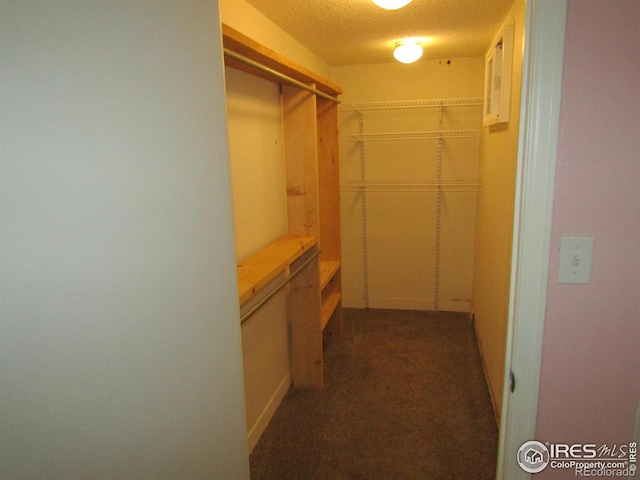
{"x":494,"y":404}
{"x":394,"y":303}
{"x":353,"y":302}
{"x":263,"y":420}
{"x":460,"y":306}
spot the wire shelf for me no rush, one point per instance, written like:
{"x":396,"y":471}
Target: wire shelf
{"x":410,"y":187}
{"x":444,"y":102}
{"x":366,"y":189}
{"x":361,"y":137}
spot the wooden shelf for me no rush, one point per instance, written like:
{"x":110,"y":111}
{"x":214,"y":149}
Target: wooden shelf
{"x":328,"y":269}
{"x":304,"y":307}
{"x":255,"y":272}
{"x":329,"y":305}
{"x":311,"y":153}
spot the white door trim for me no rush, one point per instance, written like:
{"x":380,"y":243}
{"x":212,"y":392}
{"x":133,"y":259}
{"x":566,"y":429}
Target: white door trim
{"x":538,"y":138}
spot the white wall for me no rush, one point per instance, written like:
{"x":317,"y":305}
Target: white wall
{"x":120,"y":345}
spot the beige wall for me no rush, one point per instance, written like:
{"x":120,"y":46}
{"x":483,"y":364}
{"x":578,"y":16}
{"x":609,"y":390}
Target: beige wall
{"x":427,"y":78}
{"x":254,"y":117}
{"x":245,"y":18}
{"x":494,"y":224}
{"x":401,"y":225}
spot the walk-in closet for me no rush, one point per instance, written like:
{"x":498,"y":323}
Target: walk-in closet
{"x":364,"y":200}
{"x":319,"y":239}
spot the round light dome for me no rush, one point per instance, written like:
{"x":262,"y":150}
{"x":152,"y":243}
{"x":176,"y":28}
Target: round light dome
{"x":391,"y":4}
{"x":407,"y":52}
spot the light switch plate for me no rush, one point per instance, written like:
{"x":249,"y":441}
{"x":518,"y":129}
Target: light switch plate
{"x":575,"y":259}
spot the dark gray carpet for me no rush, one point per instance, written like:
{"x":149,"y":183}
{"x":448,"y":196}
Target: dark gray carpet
{"x":404,"y":398}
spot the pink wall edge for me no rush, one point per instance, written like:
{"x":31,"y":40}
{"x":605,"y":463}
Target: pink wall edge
{"x":590,"y":377}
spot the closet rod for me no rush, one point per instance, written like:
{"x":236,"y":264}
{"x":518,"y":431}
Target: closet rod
{"x":249,"y":313}
{"x":281,"y":76}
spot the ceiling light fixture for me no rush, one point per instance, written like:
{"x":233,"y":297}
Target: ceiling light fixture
{"x":407,"y":51}
{"x":391,"y":4}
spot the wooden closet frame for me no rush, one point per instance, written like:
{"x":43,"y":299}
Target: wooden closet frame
{"x":314,"y":301}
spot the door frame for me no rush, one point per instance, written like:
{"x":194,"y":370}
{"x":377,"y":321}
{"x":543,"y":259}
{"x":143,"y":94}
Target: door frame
{"x":537,"y":153}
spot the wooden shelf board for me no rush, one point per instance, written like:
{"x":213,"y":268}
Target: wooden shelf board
{"x":246,"y":46}
{"x":328,"y":269}
{"x":328,"y":307}
{"x":255,"y":272}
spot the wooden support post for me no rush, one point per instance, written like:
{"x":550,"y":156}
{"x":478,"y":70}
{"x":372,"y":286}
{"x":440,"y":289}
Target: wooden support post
{"x":303,"y":306}
{"x":301,"y":156}
{"x":329,"y":217}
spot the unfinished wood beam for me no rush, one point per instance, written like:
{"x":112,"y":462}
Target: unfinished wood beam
{"x":304,"y":306}
{"x":301,"y":158}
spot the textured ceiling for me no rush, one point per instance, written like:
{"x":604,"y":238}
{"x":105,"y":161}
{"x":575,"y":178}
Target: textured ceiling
{"x":348,"y":32}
